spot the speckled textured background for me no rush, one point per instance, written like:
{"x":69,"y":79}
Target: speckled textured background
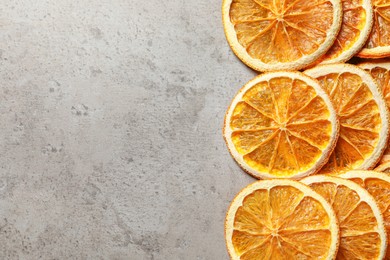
{"x":110,"y":130}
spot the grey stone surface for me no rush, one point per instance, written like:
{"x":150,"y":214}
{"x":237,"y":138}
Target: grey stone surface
{"x":110,"y":130}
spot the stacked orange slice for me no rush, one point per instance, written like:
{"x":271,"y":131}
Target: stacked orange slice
{"x":355,"y":29}
{"x":378,"y":44}
{"x":272,"y":35}
{"x":378,"y":185}
{"x":362,"y":229}
{"x":380,"y":71}
{"x":364,"y":119}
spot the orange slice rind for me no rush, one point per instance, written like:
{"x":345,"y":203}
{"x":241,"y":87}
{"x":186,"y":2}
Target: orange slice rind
{"x":383,"y":167}
{"x":378,"y":43}
{"x":362,"y":229}
{"x":380,"y":71}
{"x":354,"y":32}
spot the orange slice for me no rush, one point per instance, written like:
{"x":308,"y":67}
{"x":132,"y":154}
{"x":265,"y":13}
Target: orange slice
{"x":364,"y":121}
{"x":378,"y":185}
{"x":383,"y":167}
{"x":362,"y":228}
{"x":380,"y":71}
{"x":355,"y":29}
{"x":281,"y":125}
{"x":280,"y":219}
{"x":378,"y":44}
{"x":274,"y":35}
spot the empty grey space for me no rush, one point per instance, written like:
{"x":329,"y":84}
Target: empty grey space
{"x":111,"y":129}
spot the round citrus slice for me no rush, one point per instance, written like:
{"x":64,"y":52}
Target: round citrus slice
{"x":380,"y":71}
{"x":378,"y":185}
{"x":383,"y":167}
{"x":362,"y":228}
{"x":281,"y":125}
{"x":274,"y":35}
{"x":283,"y":219}
{"x":363,"y":115}
{"x":355,"y":29}
{"x":378,"y":43}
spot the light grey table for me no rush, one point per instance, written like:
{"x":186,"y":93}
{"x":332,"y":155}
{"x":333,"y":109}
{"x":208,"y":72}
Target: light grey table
{"x":110,"y":130}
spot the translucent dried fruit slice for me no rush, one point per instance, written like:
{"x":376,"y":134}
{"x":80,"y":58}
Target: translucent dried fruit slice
{"x":362,"y":228}
{"x":378,"y":43}
{"x":274,"y":118}
{"x":355,"y":29}
{"x":272,"y":35}
{"x":281,"y":219}
{"x":380,"y":71}
{"x":363,"y":115}
{"x":378,"y":185}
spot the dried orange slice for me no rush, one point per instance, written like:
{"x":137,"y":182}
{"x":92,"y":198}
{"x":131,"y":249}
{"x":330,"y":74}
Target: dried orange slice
{"x":363,"y":115}
{"x":362,"y":228}
{"x":383,"y":167}
{"x":281,"y":125}
{"x":378,"y":44}
{"x":283,"y":219}
{"x":274,"y":35}
{"x":354,"y":32}
{"x":380,"y":71}
{"x":378,"y":185}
